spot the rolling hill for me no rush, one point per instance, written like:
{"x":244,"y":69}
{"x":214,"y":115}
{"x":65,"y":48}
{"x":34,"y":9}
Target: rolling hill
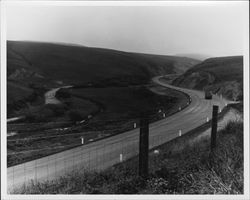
{"x":76,"y":64}
{"x":222,"y":75}
{"x":109,"y":92}
{"x":195,"y":56}
{"x":45,"y":65}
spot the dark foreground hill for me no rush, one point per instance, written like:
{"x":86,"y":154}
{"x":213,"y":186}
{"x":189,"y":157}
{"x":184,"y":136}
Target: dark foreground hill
{"x":222,"y":75}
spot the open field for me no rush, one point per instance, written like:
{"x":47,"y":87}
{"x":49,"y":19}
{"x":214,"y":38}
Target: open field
{"x":222,"y":75}
{"x":129,"y":103}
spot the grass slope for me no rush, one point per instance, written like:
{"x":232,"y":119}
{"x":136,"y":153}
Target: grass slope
{"x":223,"y":75}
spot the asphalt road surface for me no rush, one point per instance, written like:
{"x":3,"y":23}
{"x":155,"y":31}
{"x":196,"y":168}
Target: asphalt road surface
{"x":50,"y":96}
{"x":104,"y":153}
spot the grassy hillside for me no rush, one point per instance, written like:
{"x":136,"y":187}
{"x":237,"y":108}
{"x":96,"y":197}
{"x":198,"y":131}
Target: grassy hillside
{"x":35,"y":65}
{"x":222,"y":75}
{"x":76,"y":64}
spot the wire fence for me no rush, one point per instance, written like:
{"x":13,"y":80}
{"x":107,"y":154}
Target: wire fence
{"x":95,"y":156}
{"x":104,"y":153}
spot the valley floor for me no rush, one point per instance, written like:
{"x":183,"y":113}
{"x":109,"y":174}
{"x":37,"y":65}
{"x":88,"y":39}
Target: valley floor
{"x":100,"y":112}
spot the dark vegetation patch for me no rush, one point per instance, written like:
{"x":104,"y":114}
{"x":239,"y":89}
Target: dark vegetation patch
{"x":20,"y":98}
{"x":126,"y":103}
{"x":195,"y":170}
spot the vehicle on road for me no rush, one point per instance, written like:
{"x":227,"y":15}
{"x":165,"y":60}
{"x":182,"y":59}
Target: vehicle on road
{"x":208,"y":95}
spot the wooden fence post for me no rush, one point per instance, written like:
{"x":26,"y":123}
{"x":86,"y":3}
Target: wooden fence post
{"x":214,"y":127}
{"x":143,"y":148}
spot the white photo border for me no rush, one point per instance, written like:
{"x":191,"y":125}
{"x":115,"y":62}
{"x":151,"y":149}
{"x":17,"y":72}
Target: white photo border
{"x":5,"y":4}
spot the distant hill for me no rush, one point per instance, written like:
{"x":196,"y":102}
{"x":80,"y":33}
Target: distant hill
{"x":49,"y":64}
{"x":195,"y":56}
{"x":223,"y":75}
{"x":76,"y":64}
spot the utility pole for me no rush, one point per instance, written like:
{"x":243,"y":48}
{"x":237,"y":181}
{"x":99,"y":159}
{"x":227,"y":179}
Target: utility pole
{"x":214,"y":127}
{"x":143,"y":148}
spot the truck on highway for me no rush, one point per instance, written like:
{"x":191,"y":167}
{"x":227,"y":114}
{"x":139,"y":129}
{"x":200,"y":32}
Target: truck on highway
{"x":208,"y":94}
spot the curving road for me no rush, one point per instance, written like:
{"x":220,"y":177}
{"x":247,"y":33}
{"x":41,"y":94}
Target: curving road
{"x":50,"y":96}
{"x":104,"y":153}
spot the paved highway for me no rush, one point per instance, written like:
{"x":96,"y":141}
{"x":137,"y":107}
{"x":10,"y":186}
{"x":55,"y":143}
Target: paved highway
{"x":50,"y":96}
{"x":104,"y":153}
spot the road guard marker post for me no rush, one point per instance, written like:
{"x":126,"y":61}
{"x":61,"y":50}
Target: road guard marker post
{"x":134,"y":125}
{"x":143,"y":148}
{"x":82,"y":140}
{"x":214,"y":127}
{"x":156,"y":151}
{"x":121,"y":159}
{"x":179,"y":132}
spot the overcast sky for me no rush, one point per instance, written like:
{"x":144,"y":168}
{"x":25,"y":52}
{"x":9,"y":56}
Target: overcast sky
{"x":213,"y":30}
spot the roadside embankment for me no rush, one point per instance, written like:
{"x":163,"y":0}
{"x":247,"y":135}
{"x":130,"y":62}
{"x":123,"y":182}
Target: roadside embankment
{"x":201,"y":133}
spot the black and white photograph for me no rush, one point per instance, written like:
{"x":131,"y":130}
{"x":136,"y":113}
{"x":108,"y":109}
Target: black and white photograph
{"x":107,"y":98}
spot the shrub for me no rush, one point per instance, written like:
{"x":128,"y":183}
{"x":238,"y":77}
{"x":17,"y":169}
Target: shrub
{"x":129,"y":186}
{"x":158,"y":186}
{"x":63,"y":93}
{"x":74,"y":115}
{"x":57,"y":110}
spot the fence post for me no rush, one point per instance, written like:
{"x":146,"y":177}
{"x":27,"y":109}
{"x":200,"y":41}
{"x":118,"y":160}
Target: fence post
{"x":214,"y":127}
{"x":143,"y":148}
